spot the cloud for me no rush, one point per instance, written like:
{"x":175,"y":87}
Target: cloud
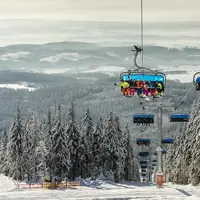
{"x":97,"y":10}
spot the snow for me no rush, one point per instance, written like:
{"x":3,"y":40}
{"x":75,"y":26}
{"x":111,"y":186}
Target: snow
{"x":110,"y":70}
{"x":104,"y":190}
{"x":66,"y":56}
{"x":5,"y":184}
{"x":15,"y":56}
{"x":112,"y":54}
{"x":17,"y":87}
{"x":182,"y":77}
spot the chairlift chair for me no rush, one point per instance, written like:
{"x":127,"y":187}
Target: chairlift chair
{"x":143,"y":162}
{"x":196,"y":81}
{"x":143,"y":118}
{"x":143,"y":141}
{"x":167,"y":141}
{"x":144,"y":154}
{"x":179,"y":118}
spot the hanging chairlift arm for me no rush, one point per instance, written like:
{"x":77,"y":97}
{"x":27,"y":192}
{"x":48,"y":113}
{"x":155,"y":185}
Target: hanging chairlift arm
{"x":138,"y":50}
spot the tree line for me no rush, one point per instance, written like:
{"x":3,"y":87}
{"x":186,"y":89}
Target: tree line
{"x":60,"y":146}
{"x":183,"y":158}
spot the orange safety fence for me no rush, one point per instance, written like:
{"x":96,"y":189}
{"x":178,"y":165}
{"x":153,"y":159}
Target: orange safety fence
{"x":48,"y":185}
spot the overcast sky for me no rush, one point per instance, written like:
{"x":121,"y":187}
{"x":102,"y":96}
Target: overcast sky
{"x":101,"y":9}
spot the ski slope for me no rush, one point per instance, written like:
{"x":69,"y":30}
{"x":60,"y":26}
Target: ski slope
{"x":104,"y":190}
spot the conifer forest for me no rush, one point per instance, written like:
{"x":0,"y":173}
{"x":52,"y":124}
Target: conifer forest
{"x":61,"y":147}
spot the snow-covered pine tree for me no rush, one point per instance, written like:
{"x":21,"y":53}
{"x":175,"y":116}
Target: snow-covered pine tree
{"x":3,"y":148}
{"x":28,"y":153}
{"x":82,"y":157}
{"x":33,"y":137}
{"x":4,"y":140}
{"x":15,"y":148}
{"x":129,"y":161}
{"x":121,"y":152}
{"x":174,"y":159}
{"x":73,"y":143}
{"x":101,"y":123}
{"x":88,"y":137}
{"x":194,"y":153}
{"x":47,"y":131}
{"x":97,"y":150}
{"x":113,"y":148}
{"x":59,"y":152}
{"x":41,"y":157}
{"x":184,"y":153}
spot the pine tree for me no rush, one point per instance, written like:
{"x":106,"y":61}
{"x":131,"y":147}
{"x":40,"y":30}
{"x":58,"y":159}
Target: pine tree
{"x":15,"y":148}
{"x":3,"y":149}
{"x":34,"y":134}
{"x":184,"y":155}
{"x":41,"y":157}
{"x":121,"y":153}
{"x":48,"y":139}
{"x":82,"y":156}
{"x":28,"y":152}
{"x":4,"y":140}
{"x":96,"y":150}
{"x":129,"y":161}
{"x":101,"y":123}
{"x":59,"y":151}
{"x":88,"y":131}
{"x":113,"y":148}
{"x":73,"y":142}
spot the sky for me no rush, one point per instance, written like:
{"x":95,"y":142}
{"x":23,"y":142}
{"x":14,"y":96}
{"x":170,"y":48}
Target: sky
{"x":101,"y":10}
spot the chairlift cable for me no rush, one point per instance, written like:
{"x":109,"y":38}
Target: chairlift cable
{"x":183,"y":99}
{"x":142,"y":36}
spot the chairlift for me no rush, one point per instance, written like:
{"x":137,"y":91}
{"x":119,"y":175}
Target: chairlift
{"x":143,"y":141}
{"x":167,"y":141}
{"x":142,"y":73}
{"x":143,"y":167}
{"x":179,"y":118}
{"x":164,"y":151}
{"x":144,"y":154}
{"x":154,"y":160}
{"x":143,"y":170}
{"x":143,"y":118}
{"x":196,"y":81}
{"x":154,"y":164}
{"x":143,"y":162}
{"x":143,"y":174}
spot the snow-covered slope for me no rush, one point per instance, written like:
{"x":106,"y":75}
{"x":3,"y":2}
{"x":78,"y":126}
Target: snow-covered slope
{"x":137,"y":191}
{"x":5,"y":184}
